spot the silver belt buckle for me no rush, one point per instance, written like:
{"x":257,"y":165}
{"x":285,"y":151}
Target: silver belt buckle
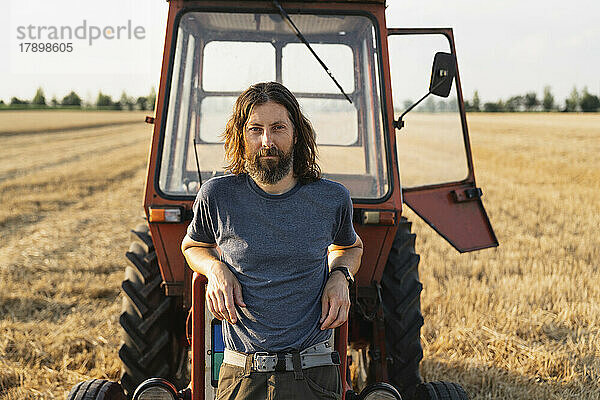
{"x":260,"y":361}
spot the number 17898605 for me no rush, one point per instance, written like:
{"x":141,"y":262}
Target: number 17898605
{"x":46,"y":47}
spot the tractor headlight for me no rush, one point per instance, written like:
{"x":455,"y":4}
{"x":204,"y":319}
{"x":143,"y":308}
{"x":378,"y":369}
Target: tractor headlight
{"x":155,"y":389}
{"x":379,"y":391}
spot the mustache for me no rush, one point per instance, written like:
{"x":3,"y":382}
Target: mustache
{"x":269,"y":151}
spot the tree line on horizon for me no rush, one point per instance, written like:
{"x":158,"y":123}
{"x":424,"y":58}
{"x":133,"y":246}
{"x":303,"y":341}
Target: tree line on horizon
{"x":74,"y":101}
{"x":583,"y":101}
{"x":529,"y":102}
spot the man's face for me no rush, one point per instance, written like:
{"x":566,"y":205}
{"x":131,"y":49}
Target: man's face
{"x":269,"y":141}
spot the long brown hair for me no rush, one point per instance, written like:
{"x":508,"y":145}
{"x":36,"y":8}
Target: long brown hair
{"x":305,"y":155}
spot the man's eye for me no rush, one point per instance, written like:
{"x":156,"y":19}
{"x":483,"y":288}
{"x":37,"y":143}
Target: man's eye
{"x":254,"y":129}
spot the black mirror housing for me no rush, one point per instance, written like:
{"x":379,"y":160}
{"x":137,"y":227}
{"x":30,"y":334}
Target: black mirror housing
{"x":442,"y":74}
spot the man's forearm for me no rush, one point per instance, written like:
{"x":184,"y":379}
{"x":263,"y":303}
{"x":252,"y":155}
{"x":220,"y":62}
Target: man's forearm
{"x":346,"y":256}
{"x":200,"y":256}
{"x":201,"y":259}
{"x":335,"y":302}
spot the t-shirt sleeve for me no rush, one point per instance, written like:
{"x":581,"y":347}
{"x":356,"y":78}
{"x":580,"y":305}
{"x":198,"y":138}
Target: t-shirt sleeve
{"x":345,"y":235}
{"x":201,"y":229}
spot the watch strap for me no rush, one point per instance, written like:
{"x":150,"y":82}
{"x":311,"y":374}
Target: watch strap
{"x":346,"y":272}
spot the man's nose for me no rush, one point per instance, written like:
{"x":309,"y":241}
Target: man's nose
{"x":267,"y":139}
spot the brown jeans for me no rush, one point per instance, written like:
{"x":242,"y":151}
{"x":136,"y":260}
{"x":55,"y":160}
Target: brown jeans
{"x":316,"y":383}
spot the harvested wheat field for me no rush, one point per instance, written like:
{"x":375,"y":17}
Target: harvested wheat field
{"x":518,"y":322}
{"x":25,"y":121}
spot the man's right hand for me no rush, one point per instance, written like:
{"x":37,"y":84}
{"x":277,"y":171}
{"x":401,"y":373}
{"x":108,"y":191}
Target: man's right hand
{"x":223,"y":292}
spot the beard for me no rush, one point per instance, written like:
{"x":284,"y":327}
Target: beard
{"x":269,"y":171}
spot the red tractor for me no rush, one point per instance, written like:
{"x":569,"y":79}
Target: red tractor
{"x":338,"y":58}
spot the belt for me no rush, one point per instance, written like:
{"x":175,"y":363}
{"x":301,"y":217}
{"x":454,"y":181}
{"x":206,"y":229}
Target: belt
{"x":315,"y":356}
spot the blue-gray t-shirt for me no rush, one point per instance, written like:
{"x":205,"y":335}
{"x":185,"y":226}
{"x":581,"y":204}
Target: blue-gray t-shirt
{"x":276,"y":246}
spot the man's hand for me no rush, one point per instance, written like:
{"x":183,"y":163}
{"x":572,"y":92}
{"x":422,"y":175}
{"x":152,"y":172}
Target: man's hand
{"x":335,"y":303}
{"x":223,"y":291}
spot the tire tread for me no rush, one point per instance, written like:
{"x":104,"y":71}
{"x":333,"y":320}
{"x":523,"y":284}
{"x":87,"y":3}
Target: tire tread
{"x":152,"y":323}
{"x":439,"y":390}
{"x":401,"y":290}
{"x":97,"y":389}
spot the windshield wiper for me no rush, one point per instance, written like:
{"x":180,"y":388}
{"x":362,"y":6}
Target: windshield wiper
{"x":285,"y":15}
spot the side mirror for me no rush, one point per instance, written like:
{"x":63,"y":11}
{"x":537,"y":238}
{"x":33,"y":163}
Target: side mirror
{"x":442,"y":76}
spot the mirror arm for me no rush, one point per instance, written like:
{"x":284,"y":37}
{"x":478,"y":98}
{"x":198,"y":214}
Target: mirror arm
{"x":400,"y":124}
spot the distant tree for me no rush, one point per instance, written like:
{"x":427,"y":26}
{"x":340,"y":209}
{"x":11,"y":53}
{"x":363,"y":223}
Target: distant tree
{"x":407,"y":103}
{"x":1,"y":102}
{"x":572,"y":102}
{"x":104,"y":100}
{"x":494,"y":107}
{"x":428,"y":106}
{"x":17,"y":101}
{"x":531,"y":101}
{"x":39,"y":99}
{"x":54,"y":101}
{"x":152,"y":98}
{"x":515,"y":103}
{"x":126,"y":102}
{"x":548,"y":101}
{"x":72,"y":99}
{"x":473,"y":105}
{"x":589,"y":102}
{"x":476,"y":102}
{"x":452,"y":104}
{"x":442,"y":106}
{"x":142,"y":103}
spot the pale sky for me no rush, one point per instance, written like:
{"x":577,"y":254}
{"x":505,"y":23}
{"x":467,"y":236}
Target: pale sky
{"x":503,"y":48}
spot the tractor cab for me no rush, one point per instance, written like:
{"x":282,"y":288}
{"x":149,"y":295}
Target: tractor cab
{"x":353,"y":78}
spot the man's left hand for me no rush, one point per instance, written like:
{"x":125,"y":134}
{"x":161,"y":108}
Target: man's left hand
{"x":335,"y":303}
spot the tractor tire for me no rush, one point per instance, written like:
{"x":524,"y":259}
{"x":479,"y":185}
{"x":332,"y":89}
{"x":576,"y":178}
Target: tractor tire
{"x":401,"y":291}
{"x":153,"y":325}
{"x":97,"y":389}
{"x":440,"y":391}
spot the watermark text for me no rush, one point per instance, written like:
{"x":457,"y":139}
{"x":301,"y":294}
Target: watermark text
{"x":85,"y":31}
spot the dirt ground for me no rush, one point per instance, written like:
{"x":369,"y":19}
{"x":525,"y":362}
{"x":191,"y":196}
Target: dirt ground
{"x":520,"y":321}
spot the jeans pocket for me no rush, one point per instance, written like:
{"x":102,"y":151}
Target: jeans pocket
{"x":229,"y":378}
{"x":324,"y":382}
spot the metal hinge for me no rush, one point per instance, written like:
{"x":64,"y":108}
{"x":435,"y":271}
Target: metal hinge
{"x":467,"y":194}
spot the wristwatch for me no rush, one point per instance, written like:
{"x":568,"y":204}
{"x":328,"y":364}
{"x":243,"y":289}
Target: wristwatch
{"x":346,"y":272}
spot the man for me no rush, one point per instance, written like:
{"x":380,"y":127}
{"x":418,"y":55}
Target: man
{"x":288,"y":251}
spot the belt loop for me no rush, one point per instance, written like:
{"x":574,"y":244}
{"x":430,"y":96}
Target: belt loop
{"x":249,"y":364}
{"x":297,"y":363}
{"x":280,"y":366}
